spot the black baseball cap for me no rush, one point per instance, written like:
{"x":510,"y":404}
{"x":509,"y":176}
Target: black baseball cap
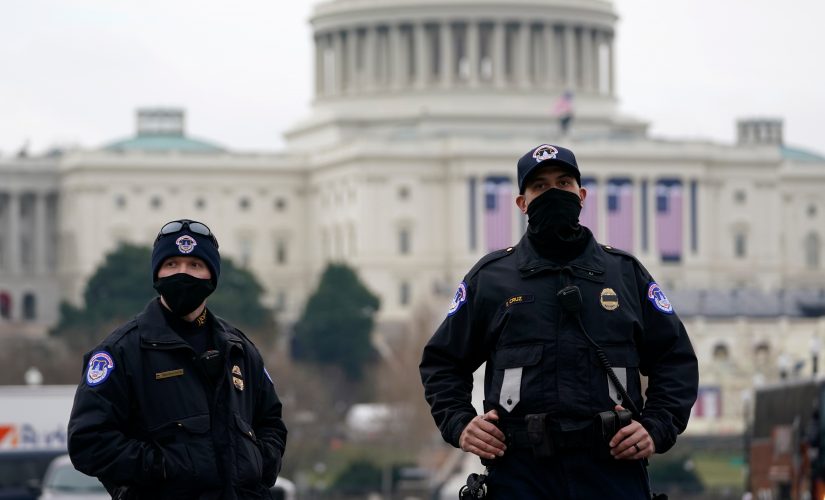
{"x":546,"y":154}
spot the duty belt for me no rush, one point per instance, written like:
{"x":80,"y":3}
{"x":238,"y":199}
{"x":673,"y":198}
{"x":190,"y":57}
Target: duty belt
{"x":537,"y":432}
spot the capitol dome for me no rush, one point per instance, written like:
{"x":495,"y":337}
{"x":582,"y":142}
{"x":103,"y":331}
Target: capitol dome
{"x":453,"y":66}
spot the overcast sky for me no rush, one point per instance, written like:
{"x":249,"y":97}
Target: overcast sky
{"x":73,"y":72}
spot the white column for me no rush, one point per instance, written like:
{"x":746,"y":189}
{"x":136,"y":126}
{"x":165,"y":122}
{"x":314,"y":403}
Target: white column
{"x":687,"y":253}
{"x":569,"y":58}
{"x":637,"y":215}
{"x":14,"y":264}
{"x":498,"y":54}
{"x":523,"y":54}
{"x":319,"y":65}
{"x":338,"y":64}
{"x":549,"y":62}
{"x":611,"y":64}
{"x":398,"y":58}
{"x":40,"y":233}
{"x":447,"y":54}
{"x":472,"y":41}
{"x":370,"y":56}
{"x":587,"y":59}
{"x":422,"y":56}
{"x":352,"y":61}
{"x":651,"y":220}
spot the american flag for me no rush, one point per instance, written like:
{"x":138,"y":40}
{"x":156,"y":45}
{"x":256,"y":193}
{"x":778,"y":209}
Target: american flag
{"x":708,"y":403}
{"x":620,"y":214}
{"x":589,"y":215}
{"x":564,"y":105}
{"x":499,"y":205}
{"x":669,"y":219}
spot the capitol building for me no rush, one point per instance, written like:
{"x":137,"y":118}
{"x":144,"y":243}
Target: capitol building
{"x":404,"y":168}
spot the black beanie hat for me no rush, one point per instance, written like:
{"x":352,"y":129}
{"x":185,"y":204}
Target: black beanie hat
{"x":189,"y":244}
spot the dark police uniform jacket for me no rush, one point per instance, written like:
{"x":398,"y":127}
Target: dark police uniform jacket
{"x":506,"y":314}
{"x":145,"y":417}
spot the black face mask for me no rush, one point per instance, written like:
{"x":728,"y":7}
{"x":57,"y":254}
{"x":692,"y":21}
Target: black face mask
{"x":183,"y":293}
{"x":553,"y":224}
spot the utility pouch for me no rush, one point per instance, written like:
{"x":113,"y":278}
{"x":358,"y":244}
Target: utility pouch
{"x":607,"y":425}
{"x":539,"y":435}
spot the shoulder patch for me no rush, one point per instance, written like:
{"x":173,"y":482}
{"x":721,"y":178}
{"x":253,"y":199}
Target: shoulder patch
{"x":658,"y":298}
{"x":100,"y":367}
{"x":490,"y":257}
{"x":459,"y":299}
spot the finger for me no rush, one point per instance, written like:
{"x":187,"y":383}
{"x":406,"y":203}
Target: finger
{"x":480,"y":436}
{"x":491,"y":429}
{"x":491,"y":415}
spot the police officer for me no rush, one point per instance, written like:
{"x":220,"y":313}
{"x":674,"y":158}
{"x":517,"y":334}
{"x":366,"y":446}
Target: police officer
{"x":177,"y":403}
{"x":566,"y":327}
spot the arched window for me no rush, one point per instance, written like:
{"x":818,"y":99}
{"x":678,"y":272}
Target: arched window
{"x":720,"y":352}
{"x":812,"y":251}
{"x":740,"y":245}
{"x":29,"y":307}
{"x":5,"y":305}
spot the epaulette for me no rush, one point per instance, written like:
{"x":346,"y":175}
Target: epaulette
{"x":490,"y":257}
{"x":121,"y":331}
{"x":616,"y":251}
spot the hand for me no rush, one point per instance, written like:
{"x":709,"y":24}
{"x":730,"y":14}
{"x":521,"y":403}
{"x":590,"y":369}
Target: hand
{"x":632,"y":442}
{"x":482,"y":438}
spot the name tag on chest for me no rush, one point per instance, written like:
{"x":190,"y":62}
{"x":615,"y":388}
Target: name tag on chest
{"x":169,"y":374}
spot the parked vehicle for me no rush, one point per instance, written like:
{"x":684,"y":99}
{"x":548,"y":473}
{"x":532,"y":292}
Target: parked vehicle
{"x":63,"y":482}
{"x":21,"y":472}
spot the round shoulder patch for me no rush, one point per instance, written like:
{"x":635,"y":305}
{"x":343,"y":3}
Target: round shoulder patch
{"x":658,"y":298}
{"x":100,"y":367}
{"x":459,"y":298}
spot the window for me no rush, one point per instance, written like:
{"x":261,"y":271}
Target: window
{"x":120,"y":202}
{"x":245,"y":245}
{"x":200,"y":203}
{"x":404,"y":241}
{"x":280,"y":204}
{"x":280,"y":252}
{"x":812,"y":251}
{"x":404,"y":294}
{"x":740,"y":245}
{"x":29,"y":307}
{"x":155,"y":202}
{"x":244,"y":204}
{"x":403,"y":193}
{"x":811,"y":211}
{"x":5,"y":305}
{"x":720,"y":352}
{"x":740,"y":196}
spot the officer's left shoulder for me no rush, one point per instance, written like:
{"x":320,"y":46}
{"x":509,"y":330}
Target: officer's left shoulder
{"x":625,"y":255}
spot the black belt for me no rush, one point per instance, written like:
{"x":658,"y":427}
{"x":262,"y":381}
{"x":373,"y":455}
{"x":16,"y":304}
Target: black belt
{"x":530,"y":430}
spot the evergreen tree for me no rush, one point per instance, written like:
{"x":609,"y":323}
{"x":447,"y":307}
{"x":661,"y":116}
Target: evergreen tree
{"x":122,"y":286}
{"x":337,"y":321}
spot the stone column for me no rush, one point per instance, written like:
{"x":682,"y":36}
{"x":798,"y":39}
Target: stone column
{"x":587,"y":59}
{"x":319,"y":65}
{"x":422,"y":55}
{"x":447,"y":54}
{"x":601,"y":212}
{"x":498,"y":54}
{"x":13,"y":242}
{"x":352,"y":61}
{"x":551,"y":60}
{"x":523,"y":54}
{"x":611,"y":64}
{"x":653,"y":246}
{"x":687,"y":251}
{"x":472,"y":41}
{"x":338,"y":64}
{"x":398,"y":58}
{"x":40,"y":233}
{"x":569,"y":58}
{"x":637,"y":215}
{"x":370,"y":57}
